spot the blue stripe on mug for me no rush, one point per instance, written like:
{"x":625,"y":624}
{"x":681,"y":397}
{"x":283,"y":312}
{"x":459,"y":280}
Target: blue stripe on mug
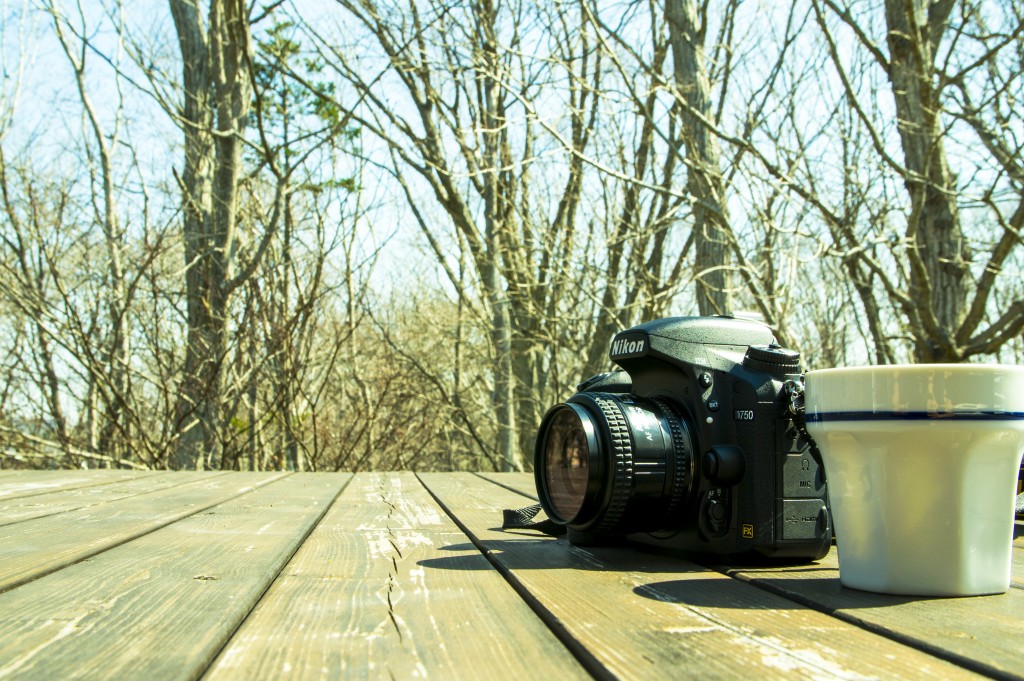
{"x":914,"y":416}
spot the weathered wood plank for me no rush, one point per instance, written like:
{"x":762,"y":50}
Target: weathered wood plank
{"x":521,"y":483}
{"x":161,"y":606}
{"x":34,"y":548}
{"x":642,"y":615}
{"x":985,"y":632}
{"x":388,"y":587}
{"x":925,"y":624}
{"x":25,"y":508}
{"x":28,"y":483}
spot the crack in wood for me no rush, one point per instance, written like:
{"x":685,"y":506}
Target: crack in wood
{"x":393,"y":570}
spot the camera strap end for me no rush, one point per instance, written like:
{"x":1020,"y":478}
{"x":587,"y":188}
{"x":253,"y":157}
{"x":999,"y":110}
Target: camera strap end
{"x":522,"y":519}
{"x":794,"y":395}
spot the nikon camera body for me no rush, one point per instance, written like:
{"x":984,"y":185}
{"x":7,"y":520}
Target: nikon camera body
{"x":691,"y":447}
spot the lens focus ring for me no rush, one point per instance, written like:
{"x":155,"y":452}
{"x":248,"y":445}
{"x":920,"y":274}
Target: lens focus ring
{"x":683,"y":458}
{"x":621,"y":474}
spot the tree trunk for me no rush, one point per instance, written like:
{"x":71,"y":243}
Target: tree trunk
{"x":495,"y":213}
{"x":938,"y":258}
{"x":704,"y":178}
{"x":215,"y":108}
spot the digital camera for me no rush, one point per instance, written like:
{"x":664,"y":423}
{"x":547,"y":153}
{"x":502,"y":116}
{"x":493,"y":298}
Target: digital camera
{"x":694,"y":446}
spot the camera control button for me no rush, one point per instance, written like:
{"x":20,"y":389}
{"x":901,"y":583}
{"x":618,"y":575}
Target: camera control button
{"x":716,"y":517}
{"x":705,"y":379}
{"x":712,"y":405}
{"x":724,"y":464}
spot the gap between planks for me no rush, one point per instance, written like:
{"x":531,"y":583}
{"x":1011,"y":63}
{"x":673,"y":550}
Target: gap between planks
{"x":48,"y":503}
{"x":30,"y":483}
{"x":35,"y":548}
{"x":977,"y":633}
{"x":175,"y":594}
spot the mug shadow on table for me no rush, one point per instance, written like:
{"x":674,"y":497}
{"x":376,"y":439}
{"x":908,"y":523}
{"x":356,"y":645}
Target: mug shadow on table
{"x":824,"y":593}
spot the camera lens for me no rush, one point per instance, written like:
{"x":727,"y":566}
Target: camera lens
{"x":568,"y":443}
{"x":613,"y":463}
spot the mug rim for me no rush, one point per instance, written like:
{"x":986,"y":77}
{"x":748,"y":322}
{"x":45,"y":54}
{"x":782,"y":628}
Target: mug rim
{"x":919,"y":415}
{"x":918,"y":368}
{"x":915,"y":392}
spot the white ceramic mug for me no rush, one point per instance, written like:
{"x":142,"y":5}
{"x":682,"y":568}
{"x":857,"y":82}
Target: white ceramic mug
{"x":921,"y":463}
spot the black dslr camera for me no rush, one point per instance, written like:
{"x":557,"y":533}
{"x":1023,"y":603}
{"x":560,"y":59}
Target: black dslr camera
{"x":692,"y":447}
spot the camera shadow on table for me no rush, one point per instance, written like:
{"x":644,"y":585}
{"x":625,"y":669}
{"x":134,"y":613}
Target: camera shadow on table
{"x":698,"y":584}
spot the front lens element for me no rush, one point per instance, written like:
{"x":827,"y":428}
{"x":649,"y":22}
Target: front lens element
{"x":566,"y":461}
{"x":614,"y":463}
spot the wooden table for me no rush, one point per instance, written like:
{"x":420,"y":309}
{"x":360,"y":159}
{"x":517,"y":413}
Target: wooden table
{"x":267,"y":575}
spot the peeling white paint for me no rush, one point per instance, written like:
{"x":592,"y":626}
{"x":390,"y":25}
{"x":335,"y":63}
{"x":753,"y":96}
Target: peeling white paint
{"x":70,"y":627}
{"x":821,"y":662}
{"x":14,"y":488}
{"x":380,"y":541}
{"x":691,"y":630}
{"x":419,"y":578}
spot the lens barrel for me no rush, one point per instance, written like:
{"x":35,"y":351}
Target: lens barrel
{"x":612,"y":463}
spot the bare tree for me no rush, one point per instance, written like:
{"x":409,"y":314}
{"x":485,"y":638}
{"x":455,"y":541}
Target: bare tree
{"x":111,"y":379}
{"x":668,"y":235}
{"x":466,"y":131}
{"x":854,"y":173}
{"x":687,"y":27}
{"x":644,"y":236}
{"x":32,"y":212}
{"x":942,"y":67}
{"x":216,"y":98}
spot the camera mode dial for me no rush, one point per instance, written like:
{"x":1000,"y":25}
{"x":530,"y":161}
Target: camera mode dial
{"x":773,"y":359}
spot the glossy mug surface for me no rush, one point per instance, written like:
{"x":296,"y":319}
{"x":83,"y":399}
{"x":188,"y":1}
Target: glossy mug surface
{"x":921,"y":462}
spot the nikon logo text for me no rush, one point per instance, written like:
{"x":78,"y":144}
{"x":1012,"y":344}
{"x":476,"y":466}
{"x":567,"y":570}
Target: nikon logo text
{"x":625,"y":346}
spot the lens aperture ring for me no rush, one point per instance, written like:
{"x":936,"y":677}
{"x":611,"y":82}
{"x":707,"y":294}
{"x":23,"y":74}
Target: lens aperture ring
{"x":621,"y":478}
{"x":682,"y":459}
